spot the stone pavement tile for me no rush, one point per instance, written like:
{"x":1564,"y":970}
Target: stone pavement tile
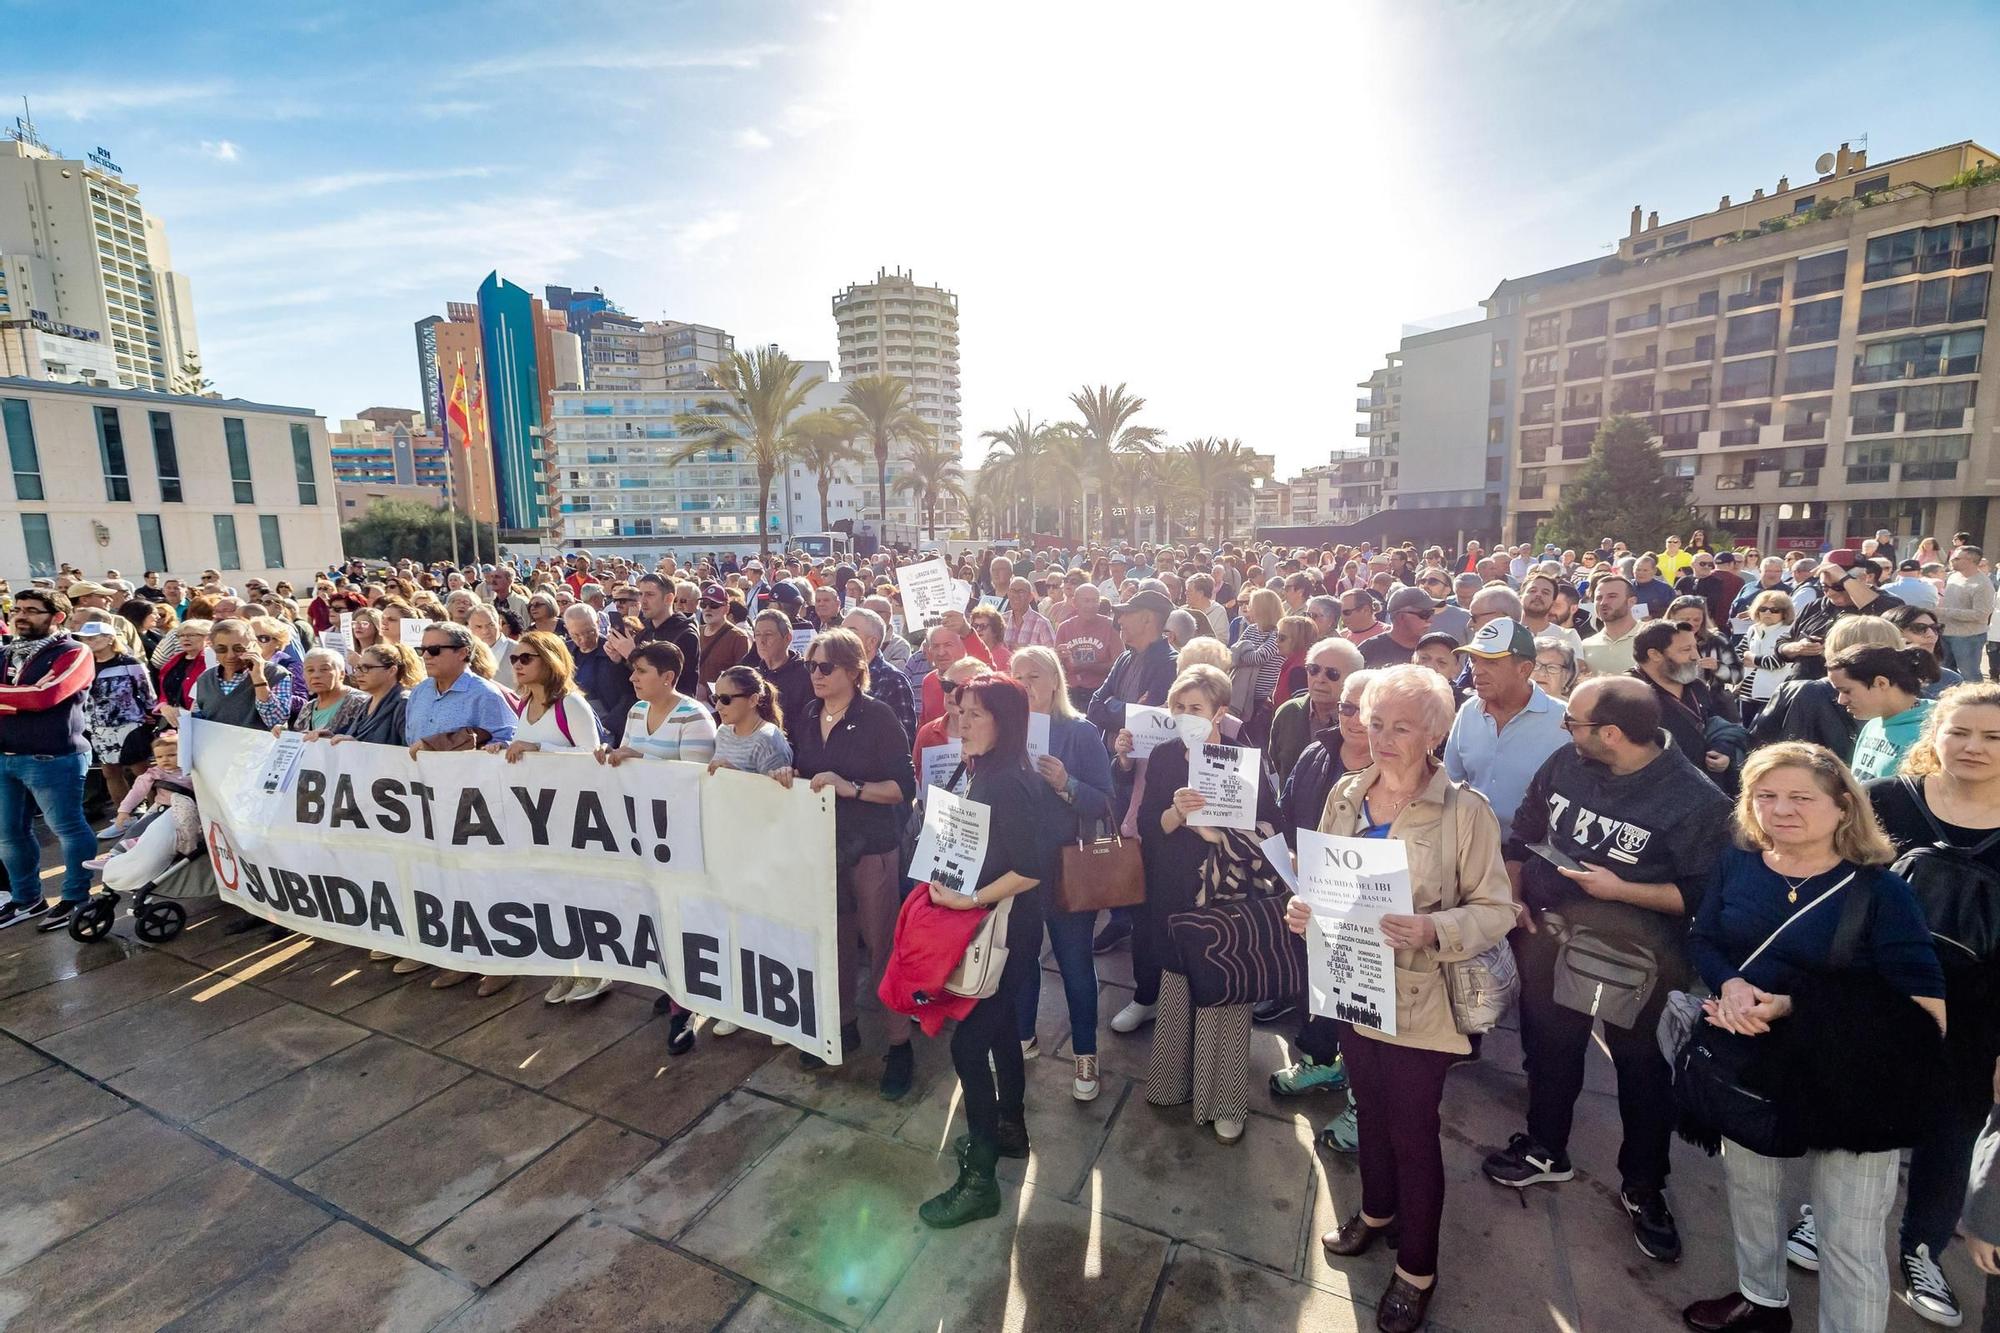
{"x":18,"y":1058}
{"x":1052,"y":1013}
{"x":202,"y":932}
{"x":1115,"y":968}
{"x":29,"y":960}
{"x":189,"y":1083}
{"x":416,"y":1013}
{"x":1041,"y":1264}
{"x":600,"y":1276}
{"x":306,"y":1116}
{"x":671,"y":1190}
{"x":333,"y":978}
{"x":165,"y":1023}
{"x":765,"y":1313}
{"x":417,"y":1171}
{"x":342,"y":1278}
{"x":635,"y":1082}
{"x":828,"y":1219}
{"x":537,"y":1043}
{"x":154,"y":1261}
{"x":1160,"y":1170}
{"x":52,"y":1194}
{"x":847,"y":1092}
{"x":1064,"y":1134}
{"x":41,"y":1108}
{"x":1212,"y":1293}
{"x":91,"y":994}
{"x":496,"y":1233}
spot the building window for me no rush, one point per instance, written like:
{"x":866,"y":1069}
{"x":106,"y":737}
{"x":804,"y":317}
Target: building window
{"x":226,"y":556}
{"x":1873,"y":185}
{"x":1747,"y":379}
{"x":1810,"y":372}
{"x":21,"y":452}
{"x":274,"y":541}
{"x":302,"y":464}
{"x":41,"y":550}
{"x":152,"y":543}
{"x":245,"y":492}
{"x":1820,"y":273}
{"x":1892,"y":256}
{"x":1499,"y":353}
{"x":166,"y":459}
{"x":111,"y":453}
{"x":1818,"y":322}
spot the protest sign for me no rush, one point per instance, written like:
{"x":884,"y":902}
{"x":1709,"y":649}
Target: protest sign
{"x":952,"y":844}
{"x":555,"y":866}
{"x":802,"y":639}
{"x":1038,"y":736}
{"x":347,"y":626}
{"x":1226,"y":777}
{"x":1150,"y":727}
{"x":413,"y":632}
{"x":1351,"y":884}
{"x":927,"y":592}
{"x":939,"y":762}
{"x":335,"y":641}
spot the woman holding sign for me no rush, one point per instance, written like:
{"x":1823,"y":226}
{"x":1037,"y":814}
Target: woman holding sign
{"x":1201,"y":1054}
{"x":1398,"y":1081}
{"x":993,"y":715}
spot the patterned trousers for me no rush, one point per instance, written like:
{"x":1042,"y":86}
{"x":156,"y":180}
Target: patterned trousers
{"x":1199,"y":1054}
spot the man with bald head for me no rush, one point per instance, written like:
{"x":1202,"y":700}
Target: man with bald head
{"x":1635,"y":829}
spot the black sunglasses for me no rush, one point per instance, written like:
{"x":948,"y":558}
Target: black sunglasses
{"x":519,"y":659}
{"x":951,"y":687}
{"x":1421,"y":613}
{"x":823,"y":668}
{"x":433,"y":649}
{"x":1314,"y":671}
{"x":731,"y":698}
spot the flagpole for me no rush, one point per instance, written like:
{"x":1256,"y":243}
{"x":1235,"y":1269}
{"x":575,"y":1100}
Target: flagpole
{"x":444,"y":420}
{"x":472,"y":500}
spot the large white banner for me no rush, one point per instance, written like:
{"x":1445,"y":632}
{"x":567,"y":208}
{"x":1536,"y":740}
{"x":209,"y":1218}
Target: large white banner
{"x":718,"y":888}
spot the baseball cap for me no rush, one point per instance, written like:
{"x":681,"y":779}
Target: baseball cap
{"x":1911,"y":566}
{"x":92,"y":628}
{"x":1146,"y":599}
{"x":788,"y":593}
{"x":713,"y":595}
{"x":1410,"y":599}
{"x":1437,"y":638}
{"x":1725,"y":557}
{"x":85,"y":588}
{"x":1501,"y":637}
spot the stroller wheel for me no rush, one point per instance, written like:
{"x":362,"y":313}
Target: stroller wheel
{"x":159,"y":920}
{"x":91,"y":920}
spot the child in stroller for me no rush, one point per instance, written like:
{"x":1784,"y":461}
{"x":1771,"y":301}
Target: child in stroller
{"x":163,"y":839}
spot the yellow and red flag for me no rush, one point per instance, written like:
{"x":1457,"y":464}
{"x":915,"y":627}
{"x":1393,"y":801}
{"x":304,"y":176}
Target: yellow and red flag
{"x":456,"y":411}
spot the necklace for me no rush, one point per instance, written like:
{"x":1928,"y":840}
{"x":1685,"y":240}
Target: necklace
{"x":1792,"y":886}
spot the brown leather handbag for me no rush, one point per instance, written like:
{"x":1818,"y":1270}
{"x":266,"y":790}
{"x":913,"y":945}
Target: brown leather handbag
{"x":1099,"y":873}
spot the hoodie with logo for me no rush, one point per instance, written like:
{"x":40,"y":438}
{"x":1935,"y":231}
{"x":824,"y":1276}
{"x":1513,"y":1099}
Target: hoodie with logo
{"x":1665,"y":823}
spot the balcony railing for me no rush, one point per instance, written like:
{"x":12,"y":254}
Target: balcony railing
{"x":1706,"y":308}
{"x":1921,"y":369}
{"x":1879,"y":423}
{"x":1626,"y":365}
{"x":1809,"y":384}
{"x":1733,"y":393}
{"x":1539,"y":416}
{"x":1701,"y":351}
{"x":1761,"y":342}
{"x":1650,"y":319}
{"x":1804,"y":476}
{"x":1805,"y":430}
{"x":1740,"y":435}
{"x":1538,"y":339}
{"x":1589,"y":369}
{"x":1860,"y":474}
{"x":1572,"y":452}
{"x":1700,"y":396}
{"x":1630,"y":403}
{"x":1768,"y":294}
{"x":1535,"y":379}
{"x":1585,"y":332}
{"x":1582,"y":411}
{"x":1805,"y":287}
{"x":1675,"y":443}
{"x":1361,"y":404}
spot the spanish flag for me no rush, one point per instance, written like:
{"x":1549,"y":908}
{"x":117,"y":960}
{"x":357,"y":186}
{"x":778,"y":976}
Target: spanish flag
{"x":455,"y":410}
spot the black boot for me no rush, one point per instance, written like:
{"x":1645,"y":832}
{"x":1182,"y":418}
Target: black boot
{"x":897,"y":1073}
{"x":680,"y":1032}
{"x":972,"y":1196}
{"x":1010,"y":1139}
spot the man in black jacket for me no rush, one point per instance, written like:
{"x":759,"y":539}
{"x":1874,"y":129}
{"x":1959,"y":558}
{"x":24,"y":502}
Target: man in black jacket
{"x":1670,"y":662}
{"x":771,"y":637}
{"x":1844,"y":590}
{"x":662,"y":624}
{"x":1644,"y":827}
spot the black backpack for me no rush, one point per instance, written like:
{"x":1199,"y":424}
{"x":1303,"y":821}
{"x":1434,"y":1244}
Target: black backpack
{"x":1959,"y":892}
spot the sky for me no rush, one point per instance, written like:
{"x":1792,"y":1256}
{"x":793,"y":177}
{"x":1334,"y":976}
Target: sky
{"x":1164,"y":195}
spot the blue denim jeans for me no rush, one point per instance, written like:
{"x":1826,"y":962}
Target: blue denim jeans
{"x":1069,"y":939}
{"x":54,"y":784}
{"x":1965,"y":654}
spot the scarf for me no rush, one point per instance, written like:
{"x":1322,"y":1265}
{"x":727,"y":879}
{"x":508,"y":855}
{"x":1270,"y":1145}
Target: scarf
{"x":20,"y":650}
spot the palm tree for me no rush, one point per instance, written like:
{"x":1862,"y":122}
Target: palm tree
{"x":1066,"y":469}
{"x":983,"y":500}
{"x":1218,"y":472}
{"x":881,"y":403}
{"x":764,"y":391}
{"x":1025,"y":459}
{"x":1106,"y":430}
{"x":1167,"y":477}
{"x":1126,"y":477}
{"x":934,"y":471}
{"x":823,"y":441}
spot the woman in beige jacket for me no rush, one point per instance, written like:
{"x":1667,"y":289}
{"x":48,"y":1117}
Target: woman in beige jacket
{"x":1398,"y":1081}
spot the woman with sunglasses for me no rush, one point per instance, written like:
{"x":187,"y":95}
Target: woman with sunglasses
{"x":1298,"y":721}
{"x":853,"y":746}
{"x":366,"y":629}
{"x":484,"y":622}
{"x":751,"y":735}
{"x":1922,"y":627}
{"x":938,"y":730}
{"x":384,"y":672}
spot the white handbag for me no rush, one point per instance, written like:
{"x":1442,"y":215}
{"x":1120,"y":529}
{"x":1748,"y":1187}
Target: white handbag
{"x":977,"y":976}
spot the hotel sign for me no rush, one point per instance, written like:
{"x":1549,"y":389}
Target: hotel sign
{"x":101,"y":159}
{"x":41,"y":321}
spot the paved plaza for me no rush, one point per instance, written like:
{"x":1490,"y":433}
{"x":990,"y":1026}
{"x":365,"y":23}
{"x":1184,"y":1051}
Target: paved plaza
{"x":235,"y":1133}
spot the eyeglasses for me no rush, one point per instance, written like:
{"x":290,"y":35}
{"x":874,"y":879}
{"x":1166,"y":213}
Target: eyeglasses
{"x":825,"y":668}
{"x":518,"y":659}
{"x":1921,"y":627}
{"x":1350,"y":710}
{"x":1421,"y":612}
{"x":433,"y":649}
{"x":1580,"y":724}
{"x":371,"y":666}
{"x":951,"y":687}
{"x":730,"y":698}
{"x":267,"y":638}
{"x":1314,"y":671}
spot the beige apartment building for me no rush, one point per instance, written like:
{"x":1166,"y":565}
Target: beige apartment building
{"x":1811,"y":359}
{"x":893,"y":326}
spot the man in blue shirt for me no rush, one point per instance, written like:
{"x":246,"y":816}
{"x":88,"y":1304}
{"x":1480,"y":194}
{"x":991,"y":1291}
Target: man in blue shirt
{"x":1510,"y":726}
{"x":451,"y":697}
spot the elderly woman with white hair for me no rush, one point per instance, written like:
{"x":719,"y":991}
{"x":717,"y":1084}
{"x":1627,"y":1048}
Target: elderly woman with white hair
{"x":1460,"y":910}
{"x":489,"y":629}
{"x":329,"y":703}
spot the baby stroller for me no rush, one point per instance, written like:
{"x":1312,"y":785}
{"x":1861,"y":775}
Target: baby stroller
{"x":157,"y":915}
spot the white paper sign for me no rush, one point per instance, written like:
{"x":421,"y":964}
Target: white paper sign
{"x":413,"y":632}
{"x":802,"y":640}
{"x":282,"y":767}
{"x":940,"y":761}
{"x":1352,"y":883}
{"x":1038,"y":736}
{"x":1150,"y":727}
{"x":334,"y":640}
{"x":1226,"y":777}
{"x":347,"y":625}
{"x":1279,"y":853}
{"x":952,"y":845}
{"x":927,"y":591}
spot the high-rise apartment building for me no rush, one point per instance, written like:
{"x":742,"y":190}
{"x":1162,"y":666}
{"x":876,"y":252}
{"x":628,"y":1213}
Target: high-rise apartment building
{"x":519,"y":368}
{"x":621,"y":352}
{"x":77,"y":251}
{"x":893,"y":326}
{"x":1811,"y":359}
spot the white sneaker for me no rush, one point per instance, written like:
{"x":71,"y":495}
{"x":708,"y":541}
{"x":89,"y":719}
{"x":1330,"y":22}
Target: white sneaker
{"x":1228,"y":1131}
{"x":1031,"y":1048}
{"x":587,"y":989}
{"x":559,"y":992}
{"x":1086,"y":1086}
{"x":1133,"y":1017}
{"x":722,"y":1027}
{"x":1802,"y":1243}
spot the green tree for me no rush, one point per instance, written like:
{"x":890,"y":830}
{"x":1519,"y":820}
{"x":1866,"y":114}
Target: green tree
{"x":824,"y":442}
{"x":881,"y":403}
{"x":1106,"y":430}
{"x":1623,"y":492}
{"x":765,"y":389}
{"x":189,"y":379}
{"x":1025,"y":460}
{"x":934,"y":473}
{"x":395,"y":529}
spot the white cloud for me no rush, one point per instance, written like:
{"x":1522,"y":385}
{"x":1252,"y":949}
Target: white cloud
{"x":800,"y":118}
{"x":222,"y":150}
{"x":341,"y":182}
{"x":447,"y":108}
{"x":609,"y":59}
{"x":690,"y":238}
{"x":83,"y":101}
{"x":752,"y":138}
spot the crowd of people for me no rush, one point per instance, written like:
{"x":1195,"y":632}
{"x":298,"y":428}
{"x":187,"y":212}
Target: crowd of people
{"x":1623,"y":780}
